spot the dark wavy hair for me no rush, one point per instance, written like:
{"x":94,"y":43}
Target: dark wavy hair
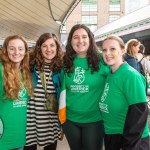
{"x":93,"y":57}
{"x":36,"y":57}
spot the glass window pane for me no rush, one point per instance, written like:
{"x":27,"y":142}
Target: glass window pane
{"x":114,"y":7}
{"x":89,"y":19}
{"x":89,"y":7}
{"x":89,"y":2}
{"x":114,"y":2}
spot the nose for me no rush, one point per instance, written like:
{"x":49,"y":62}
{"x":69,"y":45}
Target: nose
{"x":48,"y":48}
{"x":107,"y":52}
{"x":16,"y":51}
{"x":80,"y":39}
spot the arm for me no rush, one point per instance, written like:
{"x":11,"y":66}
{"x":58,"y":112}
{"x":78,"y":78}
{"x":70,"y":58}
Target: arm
{"x":134,"y":125}
{"x":136,"y":117}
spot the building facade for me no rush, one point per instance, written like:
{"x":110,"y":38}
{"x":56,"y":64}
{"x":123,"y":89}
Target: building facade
{"x":95,"y":13}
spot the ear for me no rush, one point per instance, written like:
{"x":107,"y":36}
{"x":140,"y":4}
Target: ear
{"x":123,"y":52}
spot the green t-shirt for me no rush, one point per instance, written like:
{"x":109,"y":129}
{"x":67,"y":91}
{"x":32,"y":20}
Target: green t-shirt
{"x":83,"y":91}
{"x":12,"y":119}
{"x":123,"y":88}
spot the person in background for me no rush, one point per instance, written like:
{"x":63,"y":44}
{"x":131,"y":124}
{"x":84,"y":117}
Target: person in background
{"x":42,"y":113}
{"x":134,"y":56}
{"x":15,"y":89}
{"x":142,"y":49}
{"x":132,"y":47}
{"x":124,"y":109}
{"x":145,"y":63}
{"x":84,"y":78}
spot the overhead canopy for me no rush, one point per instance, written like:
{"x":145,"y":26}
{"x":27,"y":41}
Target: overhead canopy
{"x":136,"y":21}
{"x":31,"y":18}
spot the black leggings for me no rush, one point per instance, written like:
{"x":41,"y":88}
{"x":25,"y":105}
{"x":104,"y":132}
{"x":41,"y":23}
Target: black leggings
{"x":48,"y":147}
{"x":114,"y":142}
{"x":84,"y":136}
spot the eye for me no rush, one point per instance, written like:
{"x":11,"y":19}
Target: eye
{"x":43,"y":46}
{"x":103,"y":50}
{"x":21,"y":49}
{"x":75,"y":37}
{"x":11,"y":48}
{"x":52,"y":45}
{"x":113,"y":49}
{"x":84,"y":37}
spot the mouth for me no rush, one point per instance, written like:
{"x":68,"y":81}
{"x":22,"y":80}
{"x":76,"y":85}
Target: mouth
{"x":16,"y":56}
{"x":80,"y":45}
{"x":49,"y":53}
{"x":109,"y":59}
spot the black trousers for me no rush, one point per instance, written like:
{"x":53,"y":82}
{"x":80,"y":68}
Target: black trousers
{"x":48,"y":147}
{"x":114,"y":142}
{"x":84,"y":136}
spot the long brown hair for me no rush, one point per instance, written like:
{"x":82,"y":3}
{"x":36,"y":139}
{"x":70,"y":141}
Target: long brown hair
{"x":14,"y":77}
{"x":93,"y":56}
{"x":36,"y":57}
{"x":129,"y":46}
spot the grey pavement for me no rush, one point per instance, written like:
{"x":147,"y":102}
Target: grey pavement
{"x":62,"y":145}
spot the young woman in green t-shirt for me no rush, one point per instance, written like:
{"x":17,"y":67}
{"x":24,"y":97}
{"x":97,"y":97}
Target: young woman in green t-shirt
{"x":123,"y":104}
{"x":84,"y":78}
{"x":15,"y":88}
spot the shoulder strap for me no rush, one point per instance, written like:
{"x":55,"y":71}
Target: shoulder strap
{"x":42,"y":76}
{"x":141,"y":59}
{"x":43,"y":79}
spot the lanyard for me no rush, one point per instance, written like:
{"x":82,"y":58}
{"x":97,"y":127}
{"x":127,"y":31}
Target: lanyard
{"x":43,"y":79}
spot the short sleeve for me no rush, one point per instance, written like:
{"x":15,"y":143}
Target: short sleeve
{"x":135,"y":88}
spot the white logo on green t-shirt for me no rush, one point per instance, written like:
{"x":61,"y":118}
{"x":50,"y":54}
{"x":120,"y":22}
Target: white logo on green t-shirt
{"x":104,"y":107}
{"x":105,"y":92}
{"x":79,"y":78}
{"x":21,"y":102}
{"x":22,"y":93}
{"x":79,"y":75}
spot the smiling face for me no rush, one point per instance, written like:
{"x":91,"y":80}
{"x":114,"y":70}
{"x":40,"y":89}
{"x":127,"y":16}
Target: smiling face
{"x":80,"y":42}
{"x":16,"y":50}
{"x":112,"y":53}
{"x":49,"y":50}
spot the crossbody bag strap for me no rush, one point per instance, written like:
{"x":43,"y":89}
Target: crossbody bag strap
{"x":43,"y":80}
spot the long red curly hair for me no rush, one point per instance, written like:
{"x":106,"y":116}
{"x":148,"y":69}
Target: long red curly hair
{"x":15,"y":78}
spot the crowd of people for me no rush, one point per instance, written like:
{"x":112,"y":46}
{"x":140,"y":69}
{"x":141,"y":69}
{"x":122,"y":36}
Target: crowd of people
{"x":96,"y":98}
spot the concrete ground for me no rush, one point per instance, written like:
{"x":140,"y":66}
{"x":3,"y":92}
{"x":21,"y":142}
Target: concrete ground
{"x":62,"y":145}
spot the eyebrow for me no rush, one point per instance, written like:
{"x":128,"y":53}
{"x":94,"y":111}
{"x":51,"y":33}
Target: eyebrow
{"x":79,"y":35}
